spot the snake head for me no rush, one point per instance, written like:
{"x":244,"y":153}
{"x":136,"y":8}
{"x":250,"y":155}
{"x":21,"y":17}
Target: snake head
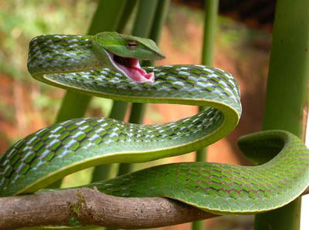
{"x":124,"y":52}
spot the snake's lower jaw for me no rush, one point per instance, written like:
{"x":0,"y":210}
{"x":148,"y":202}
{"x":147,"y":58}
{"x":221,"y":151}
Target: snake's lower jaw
{"x":131,"y":68}
{"x":139,"y":78}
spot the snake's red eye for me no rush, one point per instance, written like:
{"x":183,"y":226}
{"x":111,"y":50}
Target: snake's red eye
{"x":131,"y":45}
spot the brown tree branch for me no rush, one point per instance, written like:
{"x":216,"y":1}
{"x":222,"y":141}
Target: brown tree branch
{"x":91,"y":207}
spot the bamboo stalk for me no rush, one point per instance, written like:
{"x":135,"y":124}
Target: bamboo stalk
{"x":160,"y":17}
{"x":286,"y":90}
{"x":210,"y":21}
{"x":129,"y":7}
{"x":119,"y":108}
{"x":210,"y":24}
{"x":138,"y":110}
{"x":106,"y":17}
{"x":142,"y":27}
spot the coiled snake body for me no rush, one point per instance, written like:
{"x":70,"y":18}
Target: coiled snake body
{"x":107,"y":65}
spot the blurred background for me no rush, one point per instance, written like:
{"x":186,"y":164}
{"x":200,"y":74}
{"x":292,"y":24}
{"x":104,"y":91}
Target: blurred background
{"x":242,"y":47}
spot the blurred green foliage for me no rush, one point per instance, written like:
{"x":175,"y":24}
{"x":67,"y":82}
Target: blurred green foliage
{"x":20,"y":21}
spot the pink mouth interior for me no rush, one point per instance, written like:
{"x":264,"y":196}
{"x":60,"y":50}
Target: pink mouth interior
{"x":132,"y":69}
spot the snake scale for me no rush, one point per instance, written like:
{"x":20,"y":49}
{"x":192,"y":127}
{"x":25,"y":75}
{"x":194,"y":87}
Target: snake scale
{"x":107,"y":65}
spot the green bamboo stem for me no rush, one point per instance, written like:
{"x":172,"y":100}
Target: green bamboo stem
{"x":129,"y":7}
{"x":119,"y":108}
{"x":160,"y":16}
{"x":69,"y":110}
{"x":198,"y":225}
{"x":106,"y":17}
{"x":144,"y":18}
{"x":138,"y":110}
{"x":142,"y":28}
{"x":286,"y":90}
{"x":210,"y":21}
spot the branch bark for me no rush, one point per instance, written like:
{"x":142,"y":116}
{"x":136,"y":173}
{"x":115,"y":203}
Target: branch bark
{"x":90,"y":207}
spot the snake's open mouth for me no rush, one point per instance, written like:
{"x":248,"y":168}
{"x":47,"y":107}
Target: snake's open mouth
{"x":132,"y":69}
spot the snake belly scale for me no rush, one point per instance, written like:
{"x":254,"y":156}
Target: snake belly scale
{"x":78,"y":63}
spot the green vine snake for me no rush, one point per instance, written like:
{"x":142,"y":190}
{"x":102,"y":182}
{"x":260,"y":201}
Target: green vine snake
{"x":107,"y":65}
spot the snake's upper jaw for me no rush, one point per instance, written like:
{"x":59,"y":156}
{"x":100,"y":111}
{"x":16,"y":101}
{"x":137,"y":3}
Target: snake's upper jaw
{"x":131,"y":68}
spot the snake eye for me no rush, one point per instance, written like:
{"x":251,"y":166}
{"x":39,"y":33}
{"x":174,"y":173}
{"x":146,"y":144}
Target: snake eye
{"x":132,"y":45}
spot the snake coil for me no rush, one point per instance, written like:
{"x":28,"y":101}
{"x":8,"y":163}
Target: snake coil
{"x":67,"y":61}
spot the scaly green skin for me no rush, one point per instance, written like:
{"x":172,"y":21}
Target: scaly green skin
{"x":224,"y":189}
{"x":53,"y":152}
